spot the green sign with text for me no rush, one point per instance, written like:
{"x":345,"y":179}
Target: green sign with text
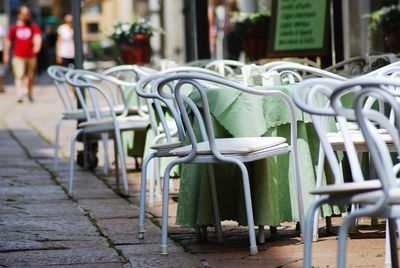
{"x":299,"y":25}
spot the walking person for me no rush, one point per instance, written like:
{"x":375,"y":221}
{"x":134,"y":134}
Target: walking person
{"x":65,"y":50}
{"x":2,"y":66}
{"x":27,"y":39}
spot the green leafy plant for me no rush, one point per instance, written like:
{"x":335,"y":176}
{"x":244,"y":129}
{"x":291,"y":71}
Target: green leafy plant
{"x":385,"y":19}
{"x":125,"y":31}
{"x":243,"y":22}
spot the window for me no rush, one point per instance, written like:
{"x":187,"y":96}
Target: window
{"x":93,"y":28}
{"x":95,"y":9}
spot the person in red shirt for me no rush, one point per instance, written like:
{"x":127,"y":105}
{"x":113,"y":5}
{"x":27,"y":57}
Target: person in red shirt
{"x":27,"y":40}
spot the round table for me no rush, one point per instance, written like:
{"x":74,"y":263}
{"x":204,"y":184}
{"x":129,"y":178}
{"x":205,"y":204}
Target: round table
{"x":239,"y":114}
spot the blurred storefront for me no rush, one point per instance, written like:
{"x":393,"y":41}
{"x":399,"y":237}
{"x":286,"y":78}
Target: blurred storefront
{"x":178,"y":19}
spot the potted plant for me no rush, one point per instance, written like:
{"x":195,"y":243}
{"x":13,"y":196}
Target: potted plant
{"x":385,"y":23}
{"x":253,"y":28}
{"x":133,"y":40}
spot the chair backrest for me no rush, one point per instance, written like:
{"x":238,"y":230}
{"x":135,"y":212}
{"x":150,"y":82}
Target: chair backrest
{"x":188,"y":69}
{"x":201,"y":115}
{"x":198,"y":63}
{"x":379,"y":71}
{"x":314,"y":96}
{"x":306,"y":70}
{"x":283,"y":72}
{"x":303,"y":61}
{"x":97,"y":93}
{"x":225,"y":67}
{"x":57,"y":73}
{"x":131,"y":74}
{"x":372,"y":122}
{"x":350,"y":67}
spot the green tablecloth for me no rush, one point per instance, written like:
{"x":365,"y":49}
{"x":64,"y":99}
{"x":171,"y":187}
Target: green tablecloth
{"x":133,"y":141}
{"x":238,"y":114}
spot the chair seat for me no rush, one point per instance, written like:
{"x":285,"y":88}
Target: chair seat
{"x":132,"y":110}
{"x":372,"y":197}
{"x":79,"y":113}
{"x":347,"y":188}
{"x":241,"y":146}
{"x":165,"y":146}
{"x":128,"y":122}
{"x":337,"y":142}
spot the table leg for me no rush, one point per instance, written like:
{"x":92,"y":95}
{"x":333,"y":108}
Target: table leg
{"x":261,"y":234}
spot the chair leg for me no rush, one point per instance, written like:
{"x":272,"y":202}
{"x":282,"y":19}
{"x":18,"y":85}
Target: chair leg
{"x":122,"y":159}
{"x":393,"y":243}
{"x":214,"y":197}
{"x":116,"y":164}
{"x":72,"y":160}
{"x":343,"y":230}
{"x":151,"y":185}
{"x":164,"y":224}
{"x":398,"y":226}
{"x":158,"y":176}
{"x":299,"y":192}
{"x":388,"y":253}
{"x":57,"y":143}
{"x":320,"y":174}
{"x":261,"y":234}
{"x":85,"y":150}
{"x":104,"y":138}
{"x":142,"y":206}
{"x":309,"y":228}
{"x":249,"y":208}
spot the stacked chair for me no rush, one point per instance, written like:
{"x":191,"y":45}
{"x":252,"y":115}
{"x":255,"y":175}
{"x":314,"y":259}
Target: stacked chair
{"x":99,"y":120}
{"x":71,"y":111}
{"x":322,"y":98}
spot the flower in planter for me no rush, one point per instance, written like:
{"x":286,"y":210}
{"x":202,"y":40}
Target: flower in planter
{"x":384,"y":25}
{"x":253,"y":30}
{"x":385,"y":19}
{"x":124,"y":32}
{"x":244,"y":22}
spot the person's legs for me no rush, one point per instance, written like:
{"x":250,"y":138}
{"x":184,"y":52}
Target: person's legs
{"x":68,"y":62}
{"x":30,"y":75}
{"x":18,"y":65}
{"x":2,"y":71}
{"x":1,"y":81}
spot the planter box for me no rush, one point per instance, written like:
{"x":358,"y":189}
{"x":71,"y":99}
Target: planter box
{"x":137,"y":53}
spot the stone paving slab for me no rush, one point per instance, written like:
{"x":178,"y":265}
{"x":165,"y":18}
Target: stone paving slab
{"x":41,"y":226}
{"x":170,"y":261}
{"x":61,"y":224}
{"x":41,"y":209}
{"x":109,"y":208}
{"x":56,"y":257}
{"x":34,"y":242}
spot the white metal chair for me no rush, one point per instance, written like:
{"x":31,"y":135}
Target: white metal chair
{"x":353,"y":66}
{"x":302,"y":61}
{"x":166,"y":130}
{"x":101,"y":120}
{"x":384,"y":150}
{"x":131,"y":74}
{"x":313,"y":96}
{"x":225,"y":68}
{"x":282,"y":72}
{"x":71,"y":111}
{"x":210,"y":150}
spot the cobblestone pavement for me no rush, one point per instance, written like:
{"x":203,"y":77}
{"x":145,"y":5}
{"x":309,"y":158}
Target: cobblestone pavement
{"x":41,"y":225}
{"x":96,"y":226}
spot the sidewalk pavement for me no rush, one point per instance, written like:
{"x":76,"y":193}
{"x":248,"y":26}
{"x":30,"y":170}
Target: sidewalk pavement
{"x":96,"y":227}
{"x":41,"y":225}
